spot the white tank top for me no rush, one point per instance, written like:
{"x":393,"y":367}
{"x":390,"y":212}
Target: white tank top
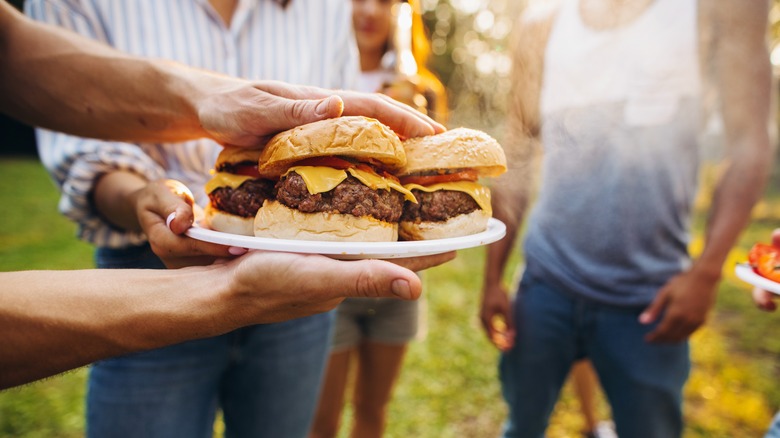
{"x":651,"y":61}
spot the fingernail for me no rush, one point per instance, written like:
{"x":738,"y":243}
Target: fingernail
{"x":170,"y":219}
{"x":644,"y":318}
{"x":402,"y":289}
{"x":321,"y":110}
{"x":237,"y":251}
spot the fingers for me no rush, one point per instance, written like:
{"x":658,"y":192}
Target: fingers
{"x":295,"y":112}
{"x":403,"y":119}
{"x":776,"y":237}
{"x":764,"y":300}
{"x":655,"y":308}
{"x":325,"y":279}
{"x":424,"y":262}
{"x":165,"y":212}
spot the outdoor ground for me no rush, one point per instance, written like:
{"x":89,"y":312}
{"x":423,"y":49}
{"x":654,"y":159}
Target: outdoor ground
{"x":448,"y":387}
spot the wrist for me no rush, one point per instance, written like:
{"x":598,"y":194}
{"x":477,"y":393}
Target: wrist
{"x":215,"y":305}
{"x":192,"y":88}
{"x":708,"y":269}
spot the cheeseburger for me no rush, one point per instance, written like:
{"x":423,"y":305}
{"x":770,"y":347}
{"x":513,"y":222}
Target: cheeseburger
{"x":334,"y":182}
{"x":442,"y":172}
{"x":236,"y":191}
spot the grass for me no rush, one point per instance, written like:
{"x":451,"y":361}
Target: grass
{"x":448,"y":386}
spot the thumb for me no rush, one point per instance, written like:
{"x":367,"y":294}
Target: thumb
{"x":375,"y":279}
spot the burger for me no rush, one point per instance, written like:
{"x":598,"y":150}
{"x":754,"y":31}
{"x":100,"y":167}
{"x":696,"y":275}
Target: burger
{"x":236,"y":191}
{"x":442,"y":172}
{"x":334,"y":182}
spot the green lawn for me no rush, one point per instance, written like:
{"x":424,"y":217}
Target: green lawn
{"x":448,"y":387}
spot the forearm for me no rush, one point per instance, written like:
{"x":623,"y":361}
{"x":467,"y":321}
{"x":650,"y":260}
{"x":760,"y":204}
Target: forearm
{"x":119,"y":97}
{"x":737,"y":192}
{"x":54,"y":321}
{"x":743,"y":76}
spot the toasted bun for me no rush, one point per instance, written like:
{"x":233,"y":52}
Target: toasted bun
{"x":461,"y":225}
{"x":354,"y":136}
{"x":275,"y":219}
{"x":228,"y":223}
{"x":455,"y":149}
{"x":233,"y":154}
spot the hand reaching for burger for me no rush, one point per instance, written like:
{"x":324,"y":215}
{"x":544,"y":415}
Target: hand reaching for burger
{"x":241,"y":113}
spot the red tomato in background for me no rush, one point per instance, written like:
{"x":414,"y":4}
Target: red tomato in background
{"x":765,"y":260}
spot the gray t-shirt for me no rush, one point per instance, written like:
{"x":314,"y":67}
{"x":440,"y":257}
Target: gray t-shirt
{"x":621,"y":114}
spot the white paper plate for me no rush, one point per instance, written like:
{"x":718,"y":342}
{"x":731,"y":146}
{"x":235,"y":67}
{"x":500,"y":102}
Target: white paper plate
{"x":746,"y":273}
{"x":354,"y":250}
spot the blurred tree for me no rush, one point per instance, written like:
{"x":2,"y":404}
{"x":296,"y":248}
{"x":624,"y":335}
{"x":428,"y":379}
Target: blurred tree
{"x":469,"y":41}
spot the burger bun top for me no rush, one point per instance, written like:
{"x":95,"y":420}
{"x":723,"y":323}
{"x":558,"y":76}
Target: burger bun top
{"x":359,"y":137}
{"x":460,"y":148}
{"x":235,"y":155}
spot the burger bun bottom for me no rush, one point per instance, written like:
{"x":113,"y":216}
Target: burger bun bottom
{"x":228,"y":223}
{"x":276,"y":220}
{"x":457,"y":226}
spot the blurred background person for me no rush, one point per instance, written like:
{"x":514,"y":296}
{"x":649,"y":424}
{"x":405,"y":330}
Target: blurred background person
{"x":264,"y":378}
{"x":370,"y":336}
{"x":609,"y":99}
{"x":53,"y":321}
{"x":586,"y":388}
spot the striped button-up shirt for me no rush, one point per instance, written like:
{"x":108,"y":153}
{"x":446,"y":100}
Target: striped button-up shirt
{"x":307,"y":42}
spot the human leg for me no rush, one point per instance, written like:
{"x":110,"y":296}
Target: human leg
{"x":328,"y":415}
{"x":534,"y":370}
{"x":585,"y":386}
{"x":378,"y":368}
{"x":643,"y":381}
{"x":273,"y":382}
{"x":166,"y":392}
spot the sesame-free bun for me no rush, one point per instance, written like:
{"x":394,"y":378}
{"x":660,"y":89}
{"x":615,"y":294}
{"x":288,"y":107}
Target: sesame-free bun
{"x":354,"y":136}
{"x":456,"y":226}
{"x":276,"y":220}
{"x":235,"y":155}
{"x":455,"y":149}
{"x":228,"y":223}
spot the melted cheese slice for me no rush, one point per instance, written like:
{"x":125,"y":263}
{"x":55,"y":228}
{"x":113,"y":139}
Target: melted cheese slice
{"x":480,"y":193}
{"x":223,"y":179}
{"x":323,"y":179}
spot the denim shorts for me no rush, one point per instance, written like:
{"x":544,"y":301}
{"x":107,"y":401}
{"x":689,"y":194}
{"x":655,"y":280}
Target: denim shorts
{"x":264,"y":378}
{"x":381,"y":320}
{"x":643,"y":381}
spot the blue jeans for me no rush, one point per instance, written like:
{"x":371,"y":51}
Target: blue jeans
{"x":642,"y":381}
{"x":774,"y":428}
{"x":265,"y":378}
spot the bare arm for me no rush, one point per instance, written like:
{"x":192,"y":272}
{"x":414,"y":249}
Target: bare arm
{"x":742,"y":72}
{"x":55,"y":321}
{"x":61,"y":81}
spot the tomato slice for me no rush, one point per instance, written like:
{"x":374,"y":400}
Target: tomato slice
{"x":246,"y":170}
{"x":334,"y":162}
{"x":426,"y":180}
{"x":758,"y":250}
{"x":765,"y":259}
